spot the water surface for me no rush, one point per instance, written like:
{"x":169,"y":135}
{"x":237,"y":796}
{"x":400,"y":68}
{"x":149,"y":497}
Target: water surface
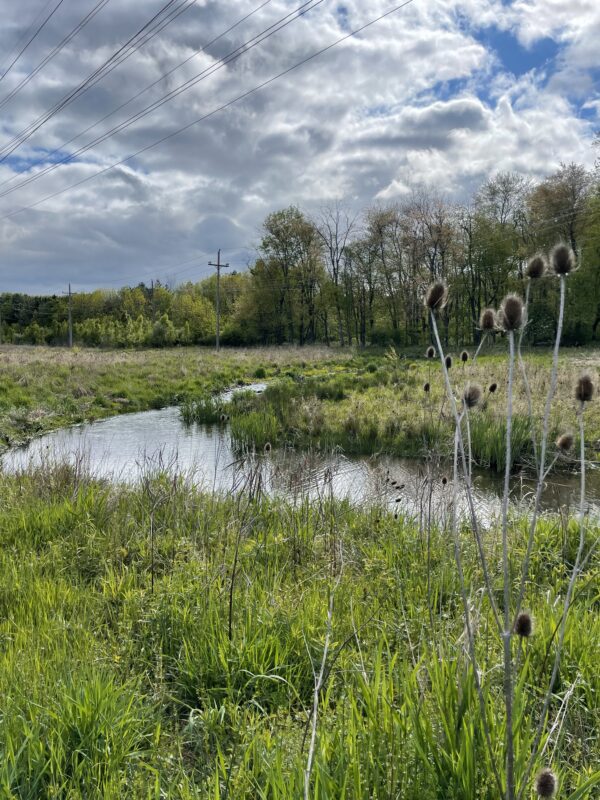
{"x":127,"y":447}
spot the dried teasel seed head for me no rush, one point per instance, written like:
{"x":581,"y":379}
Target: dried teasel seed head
{"x":565,"y":442}
{"x":492,"y":388}
{"x":584,"y":388}
{"x":536,"y":267}
{"x":524,"y":625}
{"x":448,"y":362}
{"x":464,"y":356}
{"x":472,"y":395}
{"x":512,"y":313}
{"x":437,"y":296}
{"x":487,"y":320}
{"x":563,"y":259}
{"x":546,"y":783}
{"x":426,"y":388}
{"x":430,"y":351}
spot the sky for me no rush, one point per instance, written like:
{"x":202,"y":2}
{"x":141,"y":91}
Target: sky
{"x":441,"y":93}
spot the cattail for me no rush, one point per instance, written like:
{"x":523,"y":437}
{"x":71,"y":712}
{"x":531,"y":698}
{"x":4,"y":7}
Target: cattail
{"x":545,"y":783}
{"x":472,"y":395}
{"x":267,"y":447}
{"x":444,"y":480}
{"x":492,"y":388}
{"x":512,"y":313}
{"x":464,"y":356}
{"x":448,"y":362}
{"x":426,"y":388}
{"x":487,"y":320}
{"x":524,"y":625}
{"x":223,"y":417}
{"x":563,"y":259}
{"x":437,"y":296}
{"x":584,"y":389}
{"x":430,"y":351}
{"x":565,"y":442}
{"x":536,"y":267}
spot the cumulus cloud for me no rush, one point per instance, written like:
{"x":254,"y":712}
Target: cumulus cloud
{"x":418,"y":97}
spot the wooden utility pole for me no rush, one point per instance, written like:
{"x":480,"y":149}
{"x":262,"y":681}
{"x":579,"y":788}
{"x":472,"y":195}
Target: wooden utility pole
{"x":70,"y":317}
{"x":219,"y":267}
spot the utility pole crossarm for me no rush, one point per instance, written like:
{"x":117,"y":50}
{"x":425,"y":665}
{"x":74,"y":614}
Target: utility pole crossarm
{"x":219,"y":267}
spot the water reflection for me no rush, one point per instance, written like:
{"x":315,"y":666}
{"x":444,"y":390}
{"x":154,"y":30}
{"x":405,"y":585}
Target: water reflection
{"x":126,"y":447}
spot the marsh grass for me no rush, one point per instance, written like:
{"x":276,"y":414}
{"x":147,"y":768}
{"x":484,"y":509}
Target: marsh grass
{"x":112,"y":690}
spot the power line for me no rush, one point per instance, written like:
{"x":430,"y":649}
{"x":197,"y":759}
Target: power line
{"x":244,"y":48}
{"x":132,"y":45}
{"x":25,"y":34}
{"x":55,"y":50}
{"x":215,"y":111}
{"x":134,"y":97}
{"x":36,"y":33}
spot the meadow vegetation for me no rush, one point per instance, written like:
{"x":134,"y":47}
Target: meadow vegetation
{"x":160,"y":642}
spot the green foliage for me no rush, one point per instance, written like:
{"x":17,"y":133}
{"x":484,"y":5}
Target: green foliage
{"x":114,"y":686}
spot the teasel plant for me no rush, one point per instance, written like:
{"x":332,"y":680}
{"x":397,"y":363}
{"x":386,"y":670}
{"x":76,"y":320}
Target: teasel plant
{"x":511,"y":319}
{"x":514,"y":777}
{"x":487,"y":326}
{"x":584,"y":392}
{"x":563,"y":263}
{"x":536,"y":269}
{"x":435,"y":300}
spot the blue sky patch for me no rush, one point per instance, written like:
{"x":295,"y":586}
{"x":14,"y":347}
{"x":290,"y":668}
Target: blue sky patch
{"x":515,"y":58}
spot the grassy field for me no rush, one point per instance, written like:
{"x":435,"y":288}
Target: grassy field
{"x":362,"y":402}
{"x":379,"y":403}
{"x":157,"y":642}
{"x":43,"y":388}
{"x":160,"y":643}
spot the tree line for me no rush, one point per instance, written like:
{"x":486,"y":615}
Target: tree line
{"x":359,"y":279}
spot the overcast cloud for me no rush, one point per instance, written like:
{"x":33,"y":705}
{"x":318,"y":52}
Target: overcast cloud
{"x":442,"y":92}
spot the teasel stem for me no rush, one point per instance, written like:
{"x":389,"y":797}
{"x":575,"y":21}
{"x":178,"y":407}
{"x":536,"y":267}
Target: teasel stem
{"x":479,"y":346}
{"x":526,"y":380}
{"x":467,"y":612}
{"x":541,"y":470}
{"x":473,"y":513}
{"x":506,"y":635}
{"x":566,"y":605}
{"x":469,"y":448}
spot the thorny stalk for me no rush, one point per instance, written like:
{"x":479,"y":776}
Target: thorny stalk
{"x":466,"y":608}
{"x":541,"y":468}
{"x":506,"y":635}
{"x":526,"y":379}
{"x":566,"y":606}
{"x":473,"y":513}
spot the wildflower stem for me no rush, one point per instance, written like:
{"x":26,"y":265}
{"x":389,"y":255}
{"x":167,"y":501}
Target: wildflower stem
{"x":466,"y":609}
{"x":577,"y":566}
{"x":481,"y":343}
{"x":526,"y":379}
{"x":541,"y":470}
{"x":473,"y":513}
{"x":508,"y":688}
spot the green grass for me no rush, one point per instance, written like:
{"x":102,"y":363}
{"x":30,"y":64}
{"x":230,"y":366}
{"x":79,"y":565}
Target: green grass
{"x":125,"y":671}
{"x":43,"y":388}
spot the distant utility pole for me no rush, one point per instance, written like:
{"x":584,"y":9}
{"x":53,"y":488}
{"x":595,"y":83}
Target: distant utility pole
{"x":219,"y":267}
{"x":70,"y":317}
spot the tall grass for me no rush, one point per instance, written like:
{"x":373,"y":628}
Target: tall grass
{"x":112,"y":690}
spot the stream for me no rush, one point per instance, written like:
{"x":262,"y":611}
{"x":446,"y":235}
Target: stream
{"x":127,"y":447}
